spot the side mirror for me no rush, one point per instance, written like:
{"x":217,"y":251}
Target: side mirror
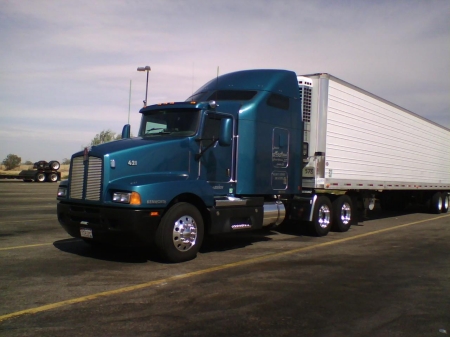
{"x":126,"y":131}
{"x":226,"y":132}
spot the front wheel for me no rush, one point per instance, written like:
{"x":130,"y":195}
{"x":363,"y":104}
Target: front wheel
{"x":343,"y":214}
{"x":322,"y":216}
{"x":180,"y":233}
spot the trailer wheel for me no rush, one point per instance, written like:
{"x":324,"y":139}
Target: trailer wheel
{"x":54,"y":165}
{"x":180,"y":233}
{"x":445,"y":202}
{"x":343,"y":213}
{"x":53,"y":177}
{"x":436,"y":203}
{"x":39,"y":177}
{"x":322,"y":215}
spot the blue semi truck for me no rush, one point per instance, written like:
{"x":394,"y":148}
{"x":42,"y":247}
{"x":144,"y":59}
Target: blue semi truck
{"x":247,"y":150}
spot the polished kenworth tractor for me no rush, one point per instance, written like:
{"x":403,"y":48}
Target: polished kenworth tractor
{"x":252,"y":149}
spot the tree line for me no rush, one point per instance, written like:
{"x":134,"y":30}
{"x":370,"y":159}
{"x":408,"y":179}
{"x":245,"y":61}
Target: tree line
{"x":12,"y":160}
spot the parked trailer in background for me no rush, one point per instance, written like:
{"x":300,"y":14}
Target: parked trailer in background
{"x":42,"y":171}
{"x":249,"y":150}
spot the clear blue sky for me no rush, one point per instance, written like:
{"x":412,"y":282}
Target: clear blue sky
{"x":66,"y":66}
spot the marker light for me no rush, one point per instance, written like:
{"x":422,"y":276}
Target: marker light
{"x":135,"y":198}
{"x":62,"y":192}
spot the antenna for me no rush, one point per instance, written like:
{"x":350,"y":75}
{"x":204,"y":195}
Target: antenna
{"x":217,"y":82}
{"x":192,"y":79}
{"x":129,"y":104}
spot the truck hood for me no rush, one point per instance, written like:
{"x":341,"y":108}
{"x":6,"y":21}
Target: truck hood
{"x":142,"y":156}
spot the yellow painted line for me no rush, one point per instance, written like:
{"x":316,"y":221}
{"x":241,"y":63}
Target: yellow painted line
{"x":31,"y":207}
{"x":24,"y":194}
{"x":30,"y":220}
{"x":201,"y":272}
{"x":27,"y":246}
{"x":27,"y":197}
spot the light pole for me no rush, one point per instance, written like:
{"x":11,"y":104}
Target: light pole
{"x":147,"y":69}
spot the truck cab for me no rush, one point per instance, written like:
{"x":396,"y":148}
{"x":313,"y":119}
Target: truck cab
{"x":226,"y":159}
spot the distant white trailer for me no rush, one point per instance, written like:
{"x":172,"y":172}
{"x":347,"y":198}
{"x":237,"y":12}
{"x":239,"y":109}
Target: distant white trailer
{"x":357,"y":141}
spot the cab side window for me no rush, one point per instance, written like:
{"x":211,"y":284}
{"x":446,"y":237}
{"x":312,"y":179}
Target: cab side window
{"x":211,"y":130}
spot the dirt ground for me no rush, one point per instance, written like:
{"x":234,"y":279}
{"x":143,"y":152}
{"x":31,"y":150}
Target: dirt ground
{"x":64,"y":169}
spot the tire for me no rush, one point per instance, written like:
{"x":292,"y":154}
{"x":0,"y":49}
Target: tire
{"x":436,"y":203}
{"x":52,"y":177}
{"x":40,"y":164}
{"x":180,"y":233}
{"x":39,"y":177}
{"x":445,"y":202}
{"x":343,"y":213}
{"x":322,"y":216}
{"x":54,"y":165}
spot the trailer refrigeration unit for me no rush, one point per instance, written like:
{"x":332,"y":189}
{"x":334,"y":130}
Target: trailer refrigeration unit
{"x":252,"y":149}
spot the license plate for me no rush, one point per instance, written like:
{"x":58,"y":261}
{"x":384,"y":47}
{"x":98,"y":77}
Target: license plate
{"x":86,"y":233}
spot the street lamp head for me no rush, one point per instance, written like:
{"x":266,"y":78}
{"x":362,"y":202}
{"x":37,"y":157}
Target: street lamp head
{"x":147,"y":69}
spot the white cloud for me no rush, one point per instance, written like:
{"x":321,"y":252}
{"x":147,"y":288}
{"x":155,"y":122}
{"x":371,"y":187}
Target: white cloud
{"x":65,"y":67}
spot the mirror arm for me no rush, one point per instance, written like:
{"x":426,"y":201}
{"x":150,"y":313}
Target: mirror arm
{"x":199,"y":155}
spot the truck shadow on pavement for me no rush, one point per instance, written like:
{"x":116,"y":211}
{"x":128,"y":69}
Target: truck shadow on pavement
{"x":231,"y":241}
{"x":102,"y":252}
{"x":216,"y":243}
{"x":143,"y":255}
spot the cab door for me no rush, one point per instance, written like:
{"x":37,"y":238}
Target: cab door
{"x":216,"y":163}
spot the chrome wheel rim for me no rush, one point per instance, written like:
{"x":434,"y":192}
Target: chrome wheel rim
{"x":184,"y":233}
{"x":346,"y":214}
{"x":324,"y":216}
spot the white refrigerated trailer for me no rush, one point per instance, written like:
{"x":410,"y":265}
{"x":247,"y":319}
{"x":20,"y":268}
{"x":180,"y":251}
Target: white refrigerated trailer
{"x":359,"y":144}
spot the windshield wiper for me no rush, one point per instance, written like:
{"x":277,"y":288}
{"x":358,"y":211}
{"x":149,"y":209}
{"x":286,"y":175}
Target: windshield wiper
{"x":157,"y":133}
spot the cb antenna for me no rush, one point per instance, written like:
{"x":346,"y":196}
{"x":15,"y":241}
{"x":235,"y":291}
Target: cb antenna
{"x":217,"y":82}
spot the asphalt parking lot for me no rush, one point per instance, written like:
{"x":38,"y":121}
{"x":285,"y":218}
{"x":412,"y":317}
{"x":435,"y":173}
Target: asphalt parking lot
{"x":388,"y":276}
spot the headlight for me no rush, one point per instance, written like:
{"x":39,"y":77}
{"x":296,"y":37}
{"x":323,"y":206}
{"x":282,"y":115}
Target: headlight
{"x":62,"y":192}
{"x":132,"y":198}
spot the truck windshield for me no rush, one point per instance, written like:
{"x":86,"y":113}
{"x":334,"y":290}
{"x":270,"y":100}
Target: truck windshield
{"x":174,"y":122}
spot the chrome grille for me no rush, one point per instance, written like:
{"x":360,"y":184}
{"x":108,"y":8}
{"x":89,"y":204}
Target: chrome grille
{"x":94,"y":179}
{"x":77,"y":178}
{"x":92,"y":171}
